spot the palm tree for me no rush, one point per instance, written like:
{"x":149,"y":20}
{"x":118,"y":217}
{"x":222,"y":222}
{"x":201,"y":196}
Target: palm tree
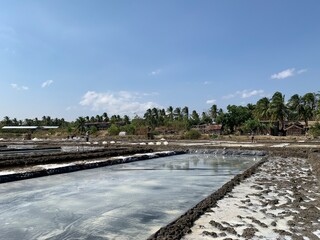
{"x":170,"y":112}
{"x":262,"y":109}
{"x":185,"y":113}
{"x":80,"y":125}
{"x":309,"y":105}
{"x":7,"y":120}
{"x":126,"y":119}
{"x":98,"y":118}
{"x":177,"y":114}
{"x":213,"y":112}
{"x":303,"y":108}
{"x":105,"y":117}
{"x":296,"y":108}
{"x":195,"y":119}
{"x":278,"y":109}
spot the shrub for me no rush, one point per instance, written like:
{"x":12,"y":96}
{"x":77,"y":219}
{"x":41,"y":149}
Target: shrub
{"x":214,"y":136}
{"x":315,"y":130}
{"x":113,"y":130}
{"x":192,"y":134}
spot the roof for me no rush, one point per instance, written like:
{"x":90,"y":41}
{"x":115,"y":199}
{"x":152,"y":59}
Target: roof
{"x":49,"y":127}
{"x":293,"y":126}
{"x":20,"y":127}
{"x":30,"y":127}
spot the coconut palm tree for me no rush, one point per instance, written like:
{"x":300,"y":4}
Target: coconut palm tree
{"x":295,"y":105}
{"x":185,"y":113}
{"x":278,"y":109}
{"x":309,"y":106}
{"x":170,"y":112}
{"x":213,"y":112}
{"x":105,"y":117}
{"x":80,"y":125}
{"x":262,"y":109}
{"x":177,"y":114}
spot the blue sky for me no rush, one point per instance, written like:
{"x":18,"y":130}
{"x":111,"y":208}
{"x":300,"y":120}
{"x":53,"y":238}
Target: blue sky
{"x":77,"y":58}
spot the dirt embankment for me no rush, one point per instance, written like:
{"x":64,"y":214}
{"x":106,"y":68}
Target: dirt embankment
{"x":67,"y":157}
{"x":314,"y":160}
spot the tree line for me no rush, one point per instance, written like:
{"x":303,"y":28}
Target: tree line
{"x":258,"y":117}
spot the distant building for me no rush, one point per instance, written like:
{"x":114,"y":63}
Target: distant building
{"x":294,"y":129}
{"x":29,"y":127}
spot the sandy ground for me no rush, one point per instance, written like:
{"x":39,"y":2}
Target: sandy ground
{"x":280,"y":201}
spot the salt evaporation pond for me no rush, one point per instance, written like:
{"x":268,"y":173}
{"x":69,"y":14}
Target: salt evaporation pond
{"x":128,"y":201}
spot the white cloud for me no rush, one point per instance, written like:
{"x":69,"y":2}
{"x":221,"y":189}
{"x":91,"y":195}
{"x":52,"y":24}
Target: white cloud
{"x":288,"y":73}
{"x":122,"y":102}
{"x":46,"y":83}
{"x":284,"y":74}
{"x":211,"y":101}
{"x":156,"y":72}
{"x":150,"y":94}
{"x":17,"y":87}
{"x":248,"y":93}
{"x":245,"y":94}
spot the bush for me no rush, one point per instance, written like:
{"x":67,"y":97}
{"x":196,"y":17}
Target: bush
{"x":315,"y":130}
{"x":113,"y":130}
{"x":192,"y":134}
{"x":93,"y":130}
{"x":214,"y":136}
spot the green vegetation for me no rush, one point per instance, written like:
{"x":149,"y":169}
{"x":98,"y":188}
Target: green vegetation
{"x":267,"y":114}
{"x":315,"y":130}
{"x":192,"y":134}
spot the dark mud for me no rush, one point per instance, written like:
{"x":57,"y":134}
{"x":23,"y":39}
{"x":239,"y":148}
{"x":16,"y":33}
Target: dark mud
{"x":66,"y":157}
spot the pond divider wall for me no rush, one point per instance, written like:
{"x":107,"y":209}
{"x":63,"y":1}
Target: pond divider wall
{"x":72,"y":167}
{"x":36,"y":158}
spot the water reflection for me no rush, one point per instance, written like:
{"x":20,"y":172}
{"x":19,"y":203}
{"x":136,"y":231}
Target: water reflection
{"x":128,"y":201}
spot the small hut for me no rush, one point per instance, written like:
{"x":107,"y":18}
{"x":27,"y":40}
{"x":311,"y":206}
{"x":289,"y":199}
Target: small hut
{"x":294,"y":129}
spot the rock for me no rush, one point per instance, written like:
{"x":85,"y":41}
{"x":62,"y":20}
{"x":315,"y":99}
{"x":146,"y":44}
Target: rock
{"x":212,"y":234}
{"x":249,"y":233}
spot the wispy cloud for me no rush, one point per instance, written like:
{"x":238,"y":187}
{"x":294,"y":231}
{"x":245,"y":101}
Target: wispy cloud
{"x":207,"y":83}
{"x":17,"y":87}
{"x":211,"y":101}
{"x":7,"y":32}
{"x":46,"y":83}
{"x":250,"y":93}
{"x":287,"y":73}
{"x":122,"y":102}
{"x":302,"y":71}
{"x":245,"y":94}
{"x":229,"y":96}
{"x":155,"y":72}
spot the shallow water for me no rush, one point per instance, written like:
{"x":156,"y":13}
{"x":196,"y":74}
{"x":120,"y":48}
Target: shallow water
{"x":128,"y":201}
